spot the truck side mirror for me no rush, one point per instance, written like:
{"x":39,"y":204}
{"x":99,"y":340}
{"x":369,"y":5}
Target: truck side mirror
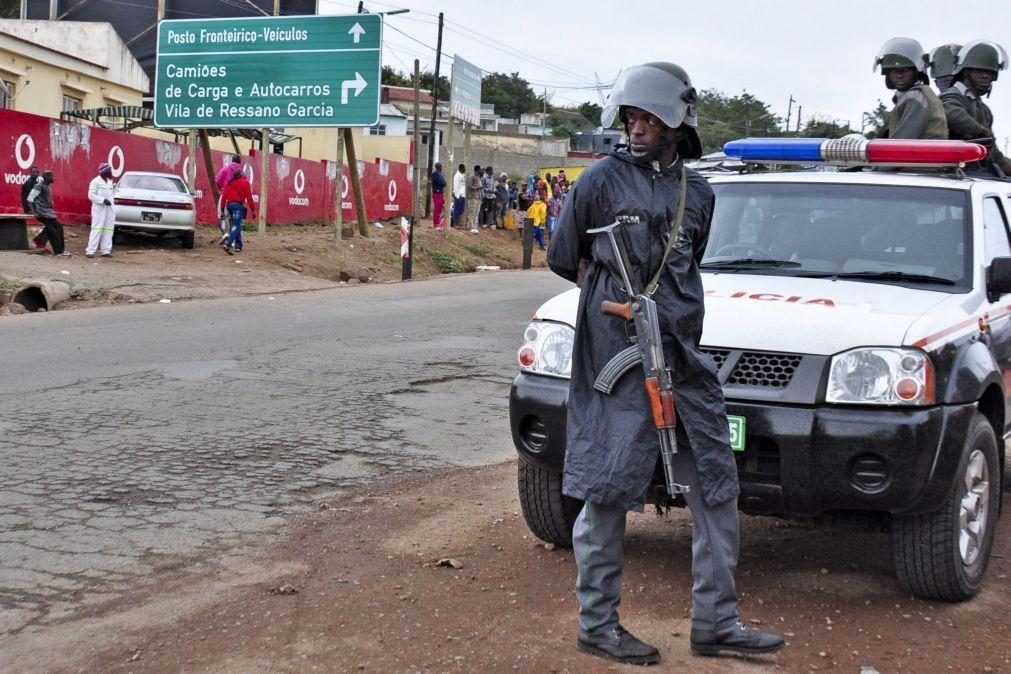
{"x":998,"y":278}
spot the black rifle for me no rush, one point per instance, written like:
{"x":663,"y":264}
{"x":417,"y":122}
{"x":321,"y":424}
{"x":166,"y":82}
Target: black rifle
{"x":647,"y":350}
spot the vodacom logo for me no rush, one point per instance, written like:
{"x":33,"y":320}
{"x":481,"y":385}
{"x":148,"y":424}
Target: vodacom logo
{"x":299,"y":181}
{"x":391,"y":191}
{"x":117,"y":166}
{"x":24,"y":142}
{"x":345,"y":188}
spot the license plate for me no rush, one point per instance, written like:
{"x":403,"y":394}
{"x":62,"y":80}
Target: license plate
{"x":148,"y":216}
{"x":736,"y":433}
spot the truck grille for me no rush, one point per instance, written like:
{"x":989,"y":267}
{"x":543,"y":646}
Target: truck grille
{"x":719,"y":355}
{"x":774,"y":370}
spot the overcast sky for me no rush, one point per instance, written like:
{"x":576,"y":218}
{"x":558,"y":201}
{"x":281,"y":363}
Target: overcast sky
{"x":819,"y":51}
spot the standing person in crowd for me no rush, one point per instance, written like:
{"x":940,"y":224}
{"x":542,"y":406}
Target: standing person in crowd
{"x":563,"y":182}
{"x":918,"y":112}
{"x":514,"y":193}
{"x":969,"y":118}
{"x":26,"y":188}
{"x":537,"y":214}
{"x":236,"y":195}
{"x":554,"y":208}
{"x":501,"y":200}
{"x":523,"y":202}
{"x":438,"y":197}
{"x":612,"y":447}
{"x":101,"y":194}
{"x":459,"y":196}
{"x":474,"y":198}
{"x":41,"y":201}
{"x":488,"y":205}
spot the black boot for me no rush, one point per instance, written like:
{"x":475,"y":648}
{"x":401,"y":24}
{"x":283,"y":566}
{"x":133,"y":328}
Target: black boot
{"x":738,"y":638}
{"x":619,"y":644}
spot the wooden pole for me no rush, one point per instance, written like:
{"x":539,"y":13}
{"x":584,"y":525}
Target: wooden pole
{"x":205,"y":146}
{"x":261,"y":210}
{"x":433,"y":144}
{"x":191,"y":169}
{"x":339,"y":219}
{"x":405,"y":274}
{"x":356,"y":182}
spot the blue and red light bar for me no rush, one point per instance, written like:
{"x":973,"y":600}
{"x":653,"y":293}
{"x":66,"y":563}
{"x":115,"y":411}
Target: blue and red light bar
{"x":855,"y":150}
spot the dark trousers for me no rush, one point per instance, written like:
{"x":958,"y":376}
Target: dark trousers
{"x":235,"y":212}
{"x":54,"y":232}
{"x":489,"y":209}
{"x":459,"y":210}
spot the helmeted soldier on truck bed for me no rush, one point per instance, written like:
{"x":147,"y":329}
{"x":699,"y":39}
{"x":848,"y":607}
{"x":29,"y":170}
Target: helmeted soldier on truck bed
{"x":942,"y":65}
{"x":918,"y":112}
{"x":969,"y":118}
{"x":612,"y":445}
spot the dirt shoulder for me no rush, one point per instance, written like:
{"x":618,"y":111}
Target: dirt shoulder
{"x":285,"y":259}
{"x":356,"y":586}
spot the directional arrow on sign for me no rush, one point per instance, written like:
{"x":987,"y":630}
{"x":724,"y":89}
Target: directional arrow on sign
{"x":358,"y":83}
{"x":357,"y":31}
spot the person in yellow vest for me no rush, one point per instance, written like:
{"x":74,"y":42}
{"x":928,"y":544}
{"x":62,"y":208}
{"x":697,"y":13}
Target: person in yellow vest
{"x":918,"y":112}
{"x":103,"y":213}
{"x":538,"y":212}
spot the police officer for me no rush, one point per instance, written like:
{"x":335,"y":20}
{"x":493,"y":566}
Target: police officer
{"x":969,"y":118}
{"x":918,"y":112}
{"x":612,"y":444}
{"x":942,"y":65}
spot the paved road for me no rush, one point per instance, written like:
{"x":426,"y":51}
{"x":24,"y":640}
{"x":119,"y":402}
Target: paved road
{"x":136,"y":439}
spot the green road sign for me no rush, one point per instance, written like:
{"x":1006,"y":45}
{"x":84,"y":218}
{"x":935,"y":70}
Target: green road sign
{"x":285,"y":71}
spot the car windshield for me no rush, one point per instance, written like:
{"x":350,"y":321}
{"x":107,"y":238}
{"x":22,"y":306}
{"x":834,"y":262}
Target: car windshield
{"x":870,"y":233}
{"x":157,"y":183}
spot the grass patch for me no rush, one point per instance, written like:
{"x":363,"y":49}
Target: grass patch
{"x":446,"y":263}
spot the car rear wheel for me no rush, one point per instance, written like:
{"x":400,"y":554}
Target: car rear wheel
{"x":187,"y":239}
{"x":943,"y":555}
{"x":549,"y":513}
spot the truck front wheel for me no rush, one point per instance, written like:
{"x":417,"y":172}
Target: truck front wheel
{"x":943,"y":555}
{"x":549,"y":513}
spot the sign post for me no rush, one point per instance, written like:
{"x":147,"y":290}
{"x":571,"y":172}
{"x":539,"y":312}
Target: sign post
{"x":257,"y":72}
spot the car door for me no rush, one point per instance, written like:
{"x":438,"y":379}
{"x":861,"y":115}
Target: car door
{"x":996,"y":243}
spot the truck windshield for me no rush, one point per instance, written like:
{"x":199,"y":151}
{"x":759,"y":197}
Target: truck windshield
{"x":916,"y":236}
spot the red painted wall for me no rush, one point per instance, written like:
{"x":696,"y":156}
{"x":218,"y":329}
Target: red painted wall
{"x":301,"y":191}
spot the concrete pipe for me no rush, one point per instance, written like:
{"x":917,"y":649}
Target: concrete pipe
{"x":44,"y":295}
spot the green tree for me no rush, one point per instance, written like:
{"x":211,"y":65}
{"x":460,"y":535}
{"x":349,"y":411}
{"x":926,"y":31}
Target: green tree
{"x":820,"y":127}
{"x":510,"y":94}
{"x":874,"y":122}
{"x":395,"y":78}
{"x":591,"y":111}
{"x":428,"y":77}
{"x":724,"y":118}
{"x":561,"y":130}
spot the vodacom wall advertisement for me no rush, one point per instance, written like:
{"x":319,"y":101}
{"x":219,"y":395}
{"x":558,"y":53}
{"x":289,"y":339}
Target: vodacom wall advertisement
{"x":301,"y":191}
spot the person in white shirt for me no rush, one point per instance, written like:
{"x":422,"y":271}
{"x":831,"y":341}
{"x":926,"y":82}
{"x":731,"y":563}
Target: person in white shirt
{"x":103,"y":214}
{"x":459,"y":195}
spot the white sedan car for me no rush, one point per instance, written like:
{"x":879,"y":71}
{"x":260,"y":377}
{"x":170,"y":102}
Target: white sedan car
{"x":157,"y":203}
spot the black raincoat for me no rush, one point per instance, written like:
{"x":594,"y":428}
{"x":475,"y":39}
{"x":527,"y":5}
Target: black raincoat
{"x":612,"y":443}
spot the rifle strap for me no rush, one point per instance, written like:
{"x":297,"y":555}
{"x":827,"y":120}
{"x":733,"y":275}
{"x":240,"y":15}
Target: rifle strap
{"x":674,"y":230}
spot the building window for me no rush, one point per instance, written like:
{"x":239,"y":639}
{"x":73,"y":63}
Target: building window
{"x":7,"y":95}
{"x":378,"y":130}
{"x":71,"y":103}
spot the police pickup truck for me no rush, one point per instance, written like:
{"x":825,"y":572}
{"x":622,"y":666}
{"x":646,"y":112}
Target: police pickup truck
{"x":860,"y":325}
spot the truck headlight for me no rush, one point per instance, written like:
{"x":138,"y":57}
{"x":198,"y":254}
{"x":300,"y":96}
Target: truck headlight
{"x":547,"y":349}
{"x":881,"y":376}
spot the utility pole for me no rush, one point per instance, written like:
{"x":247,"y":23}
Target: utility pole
{"x":405,"y":273}
{"x":339,"y":214}
{"x":800,"y":109}
{"x":789,"y":113}
{"x":432,"y":142}
{"x":544,"y":114}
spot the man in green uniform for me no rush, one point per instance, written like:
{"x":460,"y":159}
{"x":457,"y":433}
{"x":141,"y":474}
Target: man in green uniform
{"x":918,"y":113}
{"x":969,"y":118}
{"x":942,"y":65}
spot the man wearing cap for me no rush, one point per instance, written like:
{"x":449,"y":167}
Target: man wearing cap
{"x":41,"y":201}
{"x":612,"y":446}
{"x":976,"y":68}
{"x":103,"y":213}
{"x":918,"y":112}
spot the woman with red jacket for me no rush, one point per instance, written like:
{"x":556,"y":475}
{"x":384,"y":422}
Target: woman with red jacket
{"x":236,"y":194}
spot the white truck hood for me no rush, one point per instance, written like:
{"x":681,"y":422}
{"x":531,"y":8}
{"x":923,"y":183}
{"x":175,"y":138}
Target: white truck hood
{"x":790,"y":314}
